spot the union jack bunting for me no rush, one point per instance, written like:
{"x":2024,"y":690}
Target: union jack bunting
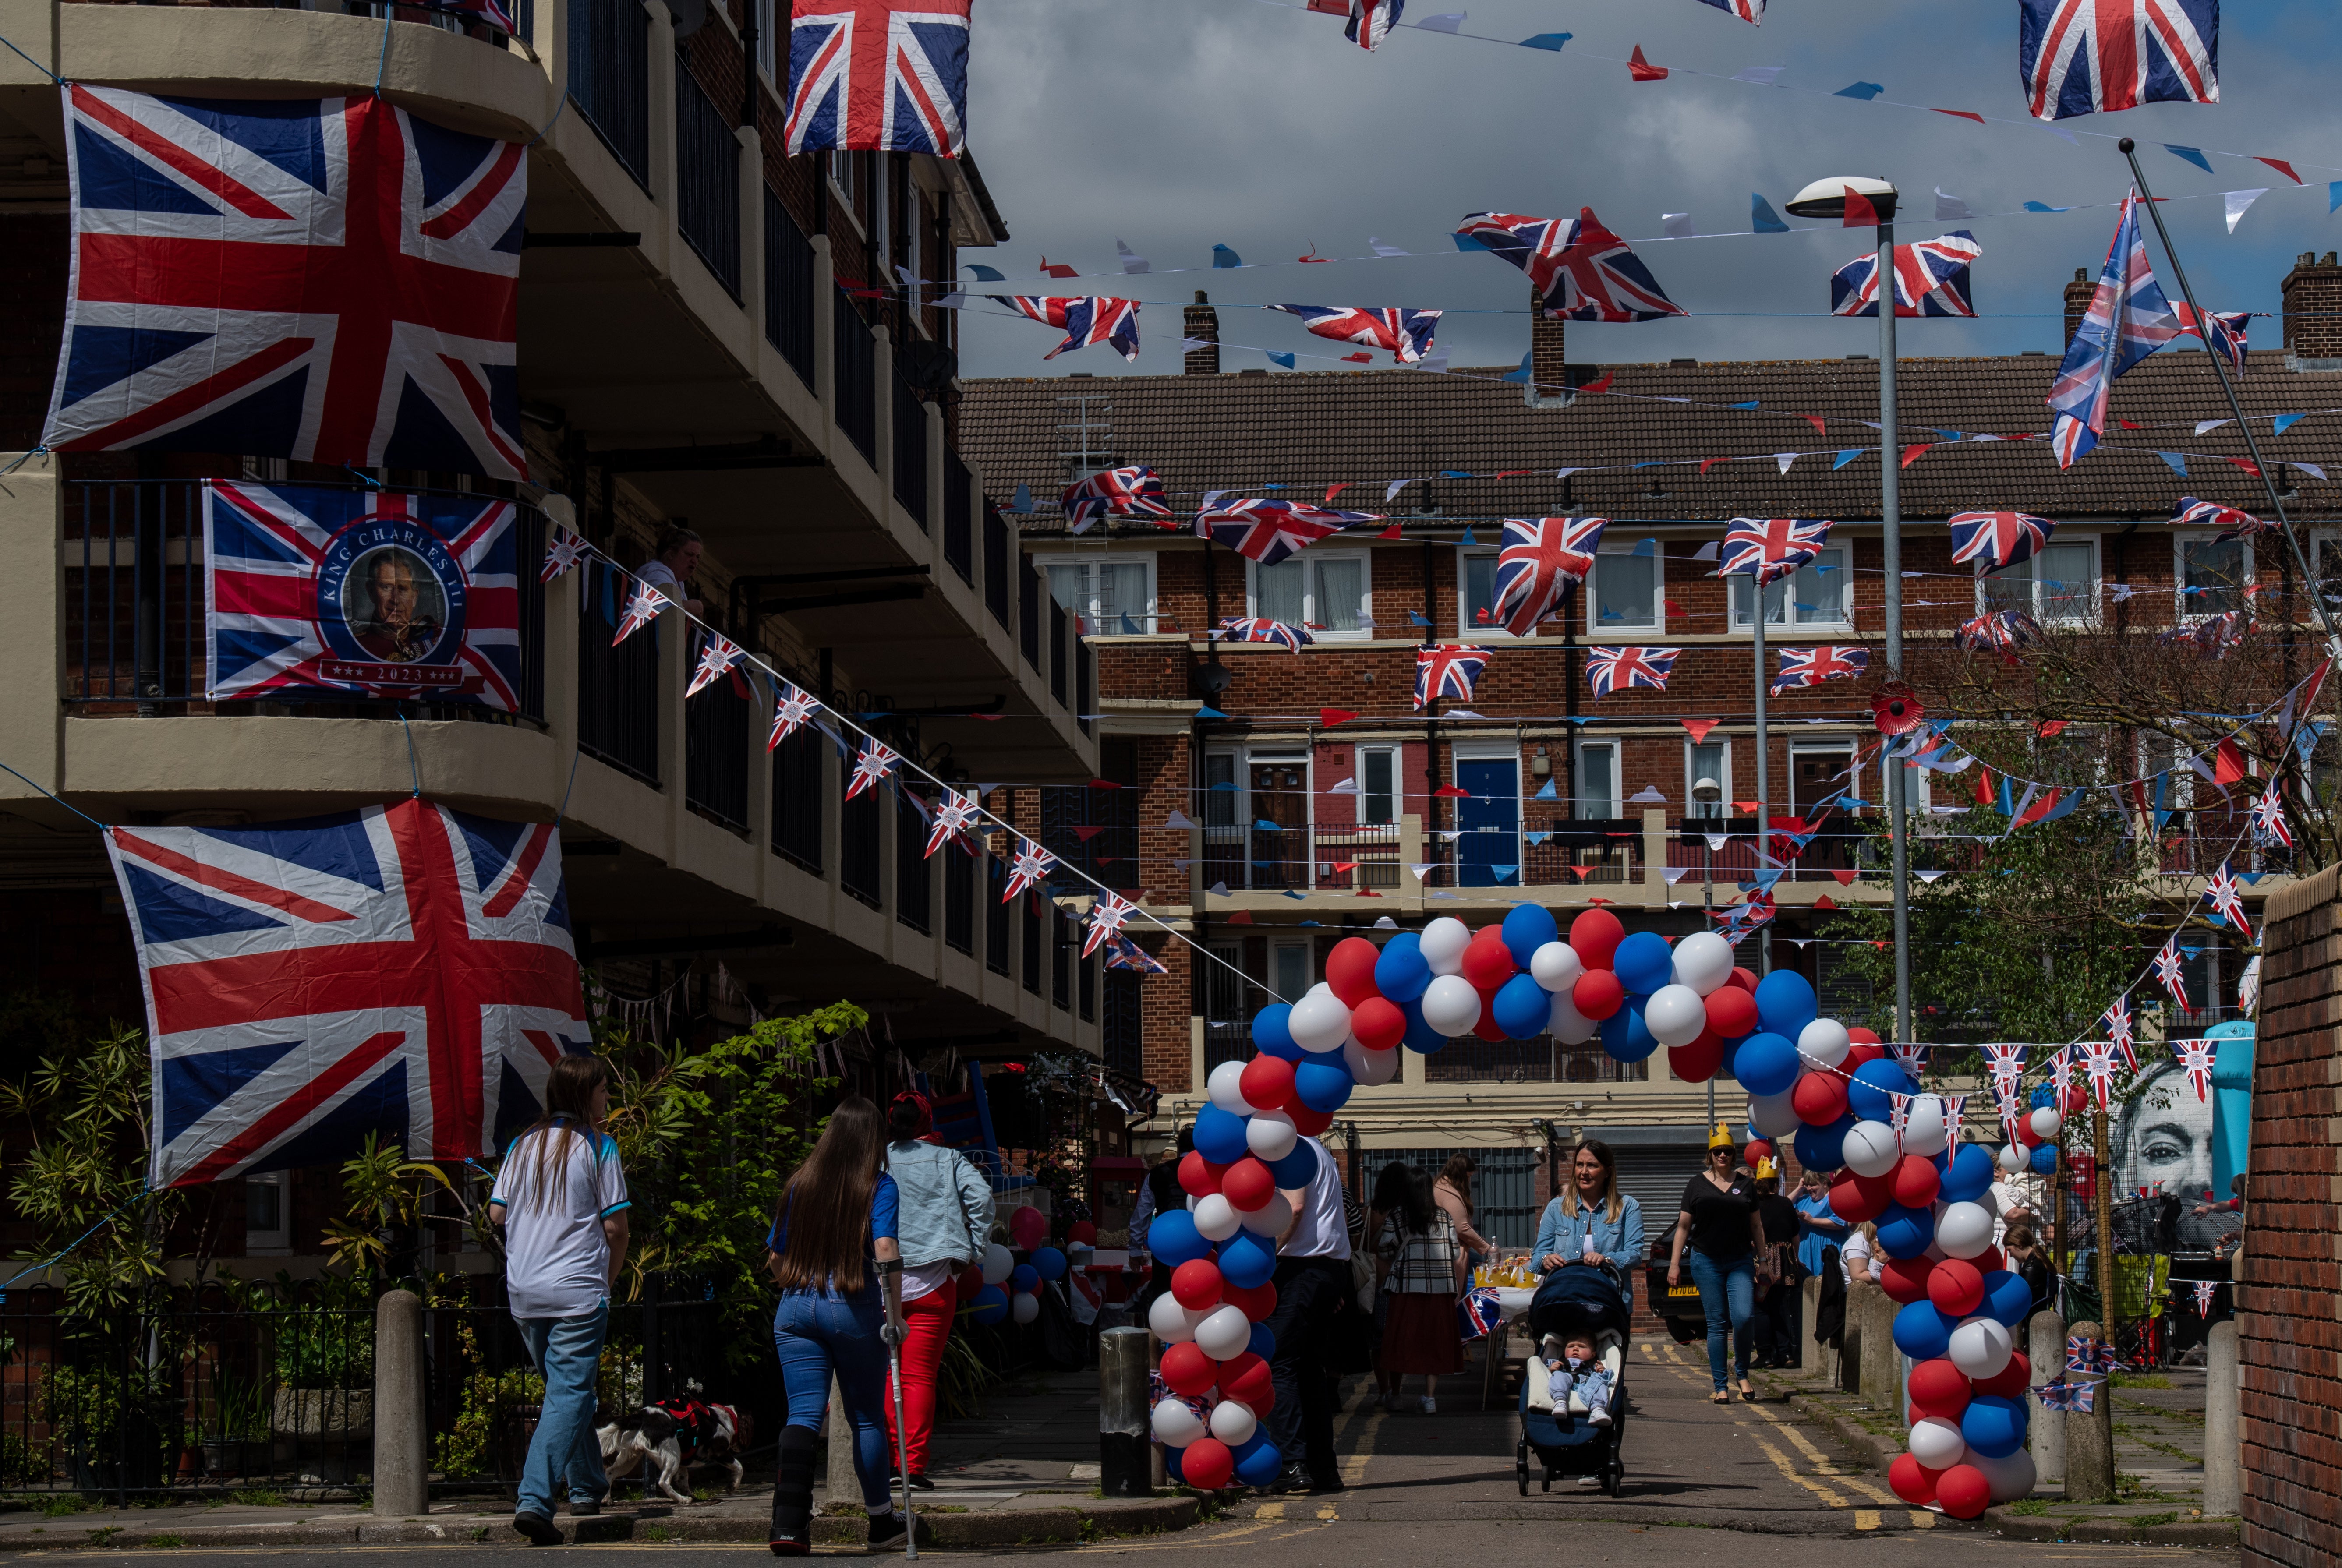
{"x":1995,"y":539}
{"x":2086,"y":1354}
{"x":2205,"y":1291}
{"x":1026,"y":868}
{"x":405,"y":970}
{"x":1133,"y":492}
{"x":1448,"y":670}
{"x":792,"y":708}
{"x":1609,"y":668}
{"x":1911,"y":1055}
{"x":878,"y":76}
{"x":1371,"y":21}
{"x":2213,"y":637}
{"x":1746,"y":10}
{"x":562,"y":551}
{"x":2227,"y":338}
{"x":496,"y":14}
{"x":1770,"y":548}
{"x":2227,"y":900}
{"x":1270,"y":531}
{"x":643,"y":603}
{"x":1956,"y":1116}
{"x":721,"y":654}
{"x":2099,"y":1067}
{"x":1812,"y":666}
{"x":1405,"y":333}
{"x":2269,"y":817}
{"x":1086,"y":319}
{"x":2168,"y":970}
{"x":2061,"y":1076}
{"x":2232,"y":522}
{"x":1931,"y":278}
{"x":2088,"y":57}
{"x":1107,"y":916}
{"x":1540,"y":560}
{"x":954,"y":814}
{"x":2001,"y":632}
{"x":2080,"y":1397}
{"x":2005,"y":1061}
{"x":2196,"y":1061}
{"x":330,"y":279}
{"x":1898,"y":1114}
{"x":1580,"y":270}
{"x":1260,"y":629}
{"x":1122,"y":952}
{"x":2128,"y":319}
{"x":2117,"y":1022}
{"x":1759,"y":909}
{"x":877,"y":759}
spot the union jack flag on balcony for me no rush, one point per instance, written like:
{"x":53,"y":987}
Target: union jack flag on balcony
{"x":792,"y":708}
{"x":1609,"y":668}
{"x":1931,"y":278}
{"x":1107,"y":916}
{"x":1085,"y":319}
{"x":1580,"y":270}
{"x":954,"y":814}
{"x":2196,"y":1060}
{"x":1746,"y":10}
{"x":1261,"y":629}
{"x":405,"y":970}
{"x":720,"y":654}
{"x":2128,"y":319}
{"x":1371,"y":21}
{"x":2269,"y":817}
{"x":1448,"y":670}
{"x":1812,"y":666}
{"x":1133,"y":492}
{"x":1405,"y":333}
{"x":1026,"y":868}
{"x":1270,"y":531}
{"x":2227,"y":900}
{"x":2001,"y":632}
{"x":2168,"y":970}
{"x":2088,"y":57}
{"x":1541,"y":559}
{"x":562,"y":551}
{"x":1770,"y":548}
{"x":878,"y":76}
{"x":1122,"y":952}
{"x":2117,"y":1022}
{"x":643,"y":603}
{"x":2232,"y":522}
{"x":330,"y":280}
{"x":2227,"y":338}
{"x":1995,"y":539}
{"x":496,"y":14}
{"x":877,"y":759}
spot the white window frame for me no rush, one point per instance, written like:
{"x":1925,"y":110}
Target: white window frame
{"x":1577,"y":778}
{"x":1467,"y":629}
{"x":1310,"y":560}
{"x":1462,"y":752}
{"x":1790,"y":625}
{"x":1842,"y":749}
{"x":845,"y":200}
{"x":2182,"y":607}
{"x":1308,"y":951}
{"x":1246,"y":757}
{"x":1398,"y":783}
{"x":1693,"y":805}
{"x":1148,"y":623}
{"x":1923,"y":787}
{"x":1596,"y":626}
{"x":770,"y":30}
{"x":276,"y":1242}
{"x":2028,"y":572}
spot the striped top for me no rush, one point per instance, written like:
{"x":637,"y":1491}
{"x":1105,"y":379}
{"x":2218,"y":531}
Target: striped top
{"x":1422,"y":1262}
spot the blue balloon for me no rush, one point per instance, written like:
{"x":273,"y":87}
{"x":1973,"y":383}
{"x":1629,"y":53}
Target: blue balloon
{"x":1420,"y":1038}
{"x":1402,"y":973}
{"x":1765,"y":1063}
{"x":1247,"y":1260}
{"x":1922,"y":1331}
{"x":1994,"y":1425}
{"x":1784,"y":1002}
{"x":1321,"y":1083}
{"x":2007,"y":1299}
{"x":1644,"y":962}
{"x":1263,"y":1343}
{"x":1625,"y":1034}
{"x":1906,"y":1233}
{"x":1823,"y":1148}
{"x":1025,"y":1279}
{"x":990,"y":1305}
{"x":1258,"y":1461}
{"x":1522,"y":1007}
{"x":1968,"y":1177}
{"x":1527,"y":927}
{"x":1049,"y":1263}
{"x":1271,"y":1032}
{"x":2044,"y":1159}
{"x":2046,"y":1095}
{"x":1867,"y":1096}
{"x":1220,"y":1134}
{"x":1173,"y":1238}
{"x":1291,"y":1174}
{"x":1171,"y":1464}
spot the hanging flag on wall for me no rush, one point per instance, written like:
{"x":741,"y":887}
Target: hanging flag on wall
{"x":1931,"y":278}
{"x":1992,"y":540}
{"x":2088,"y":57}
{"x":2128,"y":319}
{"x":1540,"y":560}
{"x":1085,"y":319}
{"x":1133,"y":492}
{"x":1609,"y":668}
{"x":1448,"y":670}
{"x":1270,"y":530}
{"x":1580,"y":270}
{"x":1812,"y":666}
{"x":1261,"y":629}
{"x":1405,"y":333}
{"x":2001,"y":632}
{"x":1371,"y":21}
{"x":2233,"y":522}
{"x":878,"y":76}
{"x":1770,"y":548}
{"x":2227,"y":338}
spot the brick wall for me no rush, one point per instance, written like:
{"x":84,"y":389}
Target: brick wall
{"x":2313,"y":306}
{"x":2290,"y":1303}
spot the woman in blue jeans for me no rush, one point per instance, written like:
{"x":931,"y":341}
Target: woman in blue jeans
{"x":1718,"y":1228}
{"x":833,"y":1252}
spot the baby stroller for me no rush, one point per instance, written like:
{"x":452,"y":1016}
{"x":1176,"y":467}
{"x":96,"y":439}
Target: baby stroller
{"x":1575,"y":1301}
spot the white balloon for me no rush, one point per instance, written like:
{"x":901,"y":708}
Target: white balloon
{"x":1450,"y":1005}
{"x":1270,"y":1219}
{"x":1232,"y":1423}
{"x":1980,"y":1347}
{"x":2047,"y":1120}
{"x":1555,"y":966}
{"x":1223,"y":1333}
{"x":1372,"y":1067}
{"x":1926,"y":1132}
{"x":1938,"y":1443}
{"x":1823,"y":1043}
{"x":999,"y":1263}
{"x":1269,"y":1135}
{"x":1443,"y":944}
{"x":1870,"y":1149}
{"x":1773,"y":1116}
{"x":1025,"y":1308}
{"x":1215,"y":1218}
{"x":1176,"y":1425}
{"x":1675,"y":1014}
{"x":2013,"y":1158}
{"x":1567,"y":1024}
{"x":1703,"y":961}
{"x":1171,"y":1323}
{"x":1964,"y":1231}
{"x":2010,"y":1478}
{"x":1223,"y":1088}
{"x":1319,"y":1022}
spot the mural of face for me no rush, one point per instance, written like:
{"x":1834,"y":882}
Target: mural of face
{"x":2165,"y":1138}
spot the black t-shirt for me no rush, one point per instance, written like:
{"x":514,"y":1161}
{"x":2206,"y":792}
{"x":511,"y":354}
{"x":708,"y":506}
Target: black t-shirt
{"x":1780,"y":1217}
{"x":1719,"y":1219}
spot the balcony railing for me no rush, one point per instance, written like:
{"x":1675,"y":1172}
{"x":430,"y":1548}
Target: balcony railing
{"x":1085,"y":683}
{"x":959,"y":518}
{"x":610,"y":78}
{"x":788,"y":288}
{"x":1032,"y":589}
{"x":997,"y":555}
{"x":716,"y":729}
{"x":798,"y":769}
{"x":995,"y":917}
{"x":911,"y":453}
{"x":706,"y":179}
{"x":859,"y":823}
{"x":959,"y":899}
{"x":1061,"y":657}
{"x":913,"y":872}
{"x":855,"y":375}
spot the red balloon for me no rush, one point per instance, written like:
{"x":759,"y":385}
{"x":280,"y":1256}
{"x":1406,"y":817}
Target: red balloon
{"x":1906,"y":1279}
{"x":1196,"y":1283}
{"x":1187,"y":1370}
{"x":1745,"y":979}
{"x":1916,"y":1180}
{"x":1757,"y":1149}
{"x":1350,"y":971}
{"x":1256,"y":1302}
{"x":1940,"y":1388}
{"x":1199,"y":1177}
{"x":1597,"y":993}
{"x":1988,"y":1260}
{"x":2011,"y":1380}
{"x":1731,"y":1012}
{"x":1488,"y":963}
{"x":1378,"y":1024}
{"x":1206,"y":1464}
{"x":1307,"y":1121}
{"x":1245,"y":1378}
{"x":2025,"y":1134}
{"x":1964,"y":1492}
{"x":967,"y":1287}
{"x":1267,"y":1081}
{"x":1862,"y":1036}
{"x":1820,"y":1098}
{"x":1860,"y":1055}
{"x":1855,"y":1199}
{"x":2076,"y":1100}
{"x":1248,"y":1185}
{"x":1956,"y":1288}
{"x":1913,"y":1482}
{"x":1488,"y":1029}
{"x":1697,"y":1061}
{"x":1595,"y":936}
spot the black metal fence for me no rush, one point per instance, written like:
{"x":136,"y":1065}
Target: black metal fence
{"x":716,"y":729}
{"x":617,"y":686}
{"x":995,"y":917}
{"x":959,"y":899}
{"x":960,"y":516}
{"x":995,"y":564}
{"x":911,"y":451}
{"x":1061,"y":657}
{"x":610,"y":78}
{"x":788,"y":288}
{"x":706,"y":179}
{"x":913,"y":872}
{"x":859,"y":860}
{"x":855,"y":374}
{"x":1031,"y":590}
{"x":797,"y":797}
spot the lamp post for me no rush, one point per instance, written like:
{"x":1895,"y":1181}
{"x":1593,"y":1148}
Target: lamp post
{"x":1706,"y":791}
{"x":1827,"y":199}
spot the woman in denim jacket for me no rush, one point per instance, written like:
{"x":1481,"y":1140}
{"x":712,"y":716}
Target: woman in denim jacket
{"x":945,"y":1218}
{"x":1595,"y":1217}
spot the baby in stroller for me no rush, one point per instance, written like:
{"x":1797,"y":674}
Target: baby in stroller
{"x":1573,"y":1401}
{"x":1578,"y":1383}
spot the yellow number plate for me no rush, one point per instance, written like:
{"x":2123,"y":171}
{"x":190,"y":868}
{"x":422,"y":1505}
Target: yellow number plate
{"x":1675,"y":1291}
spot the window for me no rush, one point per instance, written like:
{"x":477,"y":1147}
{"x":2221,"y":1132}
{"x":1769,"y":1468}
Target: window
{"x":2326,"y":565}
{"x":770,"y":30}
{"x":1112,"y":597}
{"x":1815,"y":597}
{"x":1817,"y":772}
{"x":2212,"y":575}
{"x":1328,"y":593}
{"x":268,"y":1213}
{"x":1917,"y":784}
{"x":1597,"y":781}
{"x":1288,"y":970}
{"x":1708,"y":778}
{"x":1256,"y":831}
{"x":2059,"y":584}
{"x":850,"y":180}
{"x":1378,"y":786}
{"x":1627,"y":587}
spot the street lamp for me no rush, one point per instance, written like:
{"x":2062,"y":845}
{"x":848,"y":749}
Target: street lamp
{"x":1706,"y":791}
{"x":1827,"y":199}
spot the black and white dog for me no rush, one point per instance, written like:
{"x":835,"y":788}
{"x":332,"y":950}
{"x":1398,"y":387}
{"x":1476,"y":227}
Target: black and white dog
{"x":677,"y":1434}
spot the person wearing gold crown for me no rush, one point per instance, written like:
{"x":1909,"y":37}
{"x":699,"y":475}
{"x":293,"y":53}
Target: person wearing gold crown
{"x":1718,"y":1237}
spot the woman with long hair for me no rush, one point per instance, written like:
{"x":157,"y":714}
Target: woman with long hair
{"x":1593,"y":1221}
{"x":1718,"y":1227}
{"x":943,"y":1215}
{"x":1419,"y":1262}
{"x":1393,"y":1190}
{"x":1453,"y":1193}
{"x":561,"y":1199}
{"x":835,"y":1254}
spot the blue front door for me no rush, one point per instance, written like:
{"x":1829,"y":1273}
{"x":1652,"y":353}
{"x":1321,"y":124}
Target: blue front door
{"x":1489,"y":852}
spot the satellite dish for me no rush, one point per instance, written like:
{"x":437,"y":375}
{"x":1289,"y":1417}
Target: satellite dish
{"x":927,"y":365}
{"x":1214,"y":678}
{"x":690,"y":17}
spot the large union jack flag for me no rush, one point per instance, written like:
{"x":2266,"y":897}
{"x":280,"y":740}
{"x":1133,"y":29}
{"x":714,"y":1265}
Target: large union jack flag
{"x":1270,"y":531}
{"x":879,"y":76}
{"x":1931,"y":278}
{"x":2232,"y":522}
{"x":1746,"y":10}
{"x":1448,"y":670}
{"x":1609,"y":668}
{"x":1770,"y":548}
{"x":365,"y":593}
{"x":2227,"y":338}
{"x":1371,"y":20}
{"x":406,"y":969}
{"x":1261,"y":629}
{"x":2085,"y":56}
{"x":1995,"y":539}
{"x":1085,"y":319}
{"x":2001,"y":632}
{"x":1133,"y":492}
{"x":1812,"y":666}
{"x":1405,"y":333}
{"x":1541,"y":558}
{"x":1580,"y":270}
{"x":2128,"y":319}
{"x":331,"y":280}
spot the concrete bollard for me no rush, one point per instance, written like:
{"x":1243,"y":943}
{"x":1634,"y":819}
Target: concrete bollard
{"x":2090,"y":1439}
{"x":2224,"y":1449}
{"x":402,"y":1476}
{"x":2045,"y":1347}
{"x":1126,"y":1446}
{"x":1882,"y":1364}
{"x":845,"y":1486}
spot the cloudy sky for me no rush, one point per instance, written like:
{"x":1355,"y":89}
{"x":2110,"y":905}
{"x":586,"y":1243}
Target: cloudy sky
{"x":1174,"y":125}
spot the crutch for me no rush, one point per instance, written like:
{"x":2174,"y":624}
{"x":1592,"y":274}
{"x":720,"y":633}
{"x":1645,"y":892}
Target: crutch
{"x":902,"y":1451}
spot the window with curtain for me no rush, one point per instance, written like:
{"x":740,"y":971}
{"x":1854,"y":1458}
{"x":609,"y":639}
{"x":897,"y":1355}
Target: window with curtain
{"x":2059,"y":584}
{"x":1597,"y":781}
{"x":1326,"y":593}
{"x":1626,"y":594}
{"x":1377,"y":787}
{"x":1710,"y":759}
{"x":1814,"y":597}
{"x":1107,"y":594}
{"x":2212,"y":575}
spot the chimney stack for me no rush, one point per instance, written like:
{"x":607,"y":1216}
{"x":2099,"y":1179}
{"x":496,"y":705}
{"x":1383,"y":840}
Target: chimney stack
{"x":1203,"y":323}
{"x":2313,"y":297}
{"x":2078,"y":295}
{"x":1546,"y":373}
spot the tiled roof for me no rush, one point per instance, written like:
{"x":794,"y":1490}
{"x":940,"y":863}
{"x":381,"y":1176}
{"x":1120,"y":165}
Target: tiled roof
{"x":1309,"y":431}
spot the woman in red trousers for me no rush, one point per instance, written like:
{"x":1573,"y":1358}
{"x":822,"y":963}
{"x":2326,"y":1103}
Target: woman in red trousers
{"x":943,"y":1223}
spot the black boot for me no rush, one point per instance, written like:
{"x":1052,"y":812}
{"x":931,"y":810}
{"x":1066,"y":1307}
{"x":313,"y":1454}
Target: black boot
{"x":792,"y":1493}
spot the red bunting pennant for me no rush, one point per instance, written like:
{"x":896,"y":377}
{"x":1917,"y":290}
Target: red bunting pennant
{"x":1087,"y":833}
{"x":1103,"y":783}
{"x":1057,"y":269}
{"x":1336,"y":490}
{"x":1859,"y":213}
{"x":1962,"y":115}
{"x":2048,"y":728}
{"x":2228,"y":764}
{"x":1601,"y":384}
{"x":1449,"y":791}
{"x":1241,"y":917}
{"x":1392,"y":532}
{"x":1821,"y":425}
{"x":2282,"y":167}
{"x":1911,"y":453}
{"x":1845,"y":878}
{"x":1330,"y":717}
{"x":1825,"y":902}
{"x":1700,"y":728}
{"x":2248,"y":465}
{"x":1707,"y":462}
{"x":1642,"y":70}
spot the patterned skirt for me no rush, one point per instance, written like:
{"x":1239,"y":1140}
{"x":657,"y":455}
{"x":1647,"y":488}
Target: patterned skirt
{"x":1420,"y":1335}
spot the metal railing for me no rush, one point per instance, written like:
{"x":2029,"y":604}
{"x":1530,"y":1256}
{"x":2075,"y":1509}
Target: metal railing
{"x":617,"y":686}
{"x":797,"y":785}
{"x":911,"y":453}
{"x":959,"y":899}
{"x":860,"y":862}
{"x":788,"y":288}
{"x":610,"y":78}
{"x":1032,"y":589}
{"x":959,"y":518}
{"x":995,"y":917}
{"x":1031,"y":936}
{"x":996,"y":555}
{"x":1061,"y":635}
{"x":913,"y":872}
{"x":855,"y":374}
{"x":1085,"y":683}
{"x":716,"y":729}
{"x":1122,"y":1036}
{"x":706,"y":178}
